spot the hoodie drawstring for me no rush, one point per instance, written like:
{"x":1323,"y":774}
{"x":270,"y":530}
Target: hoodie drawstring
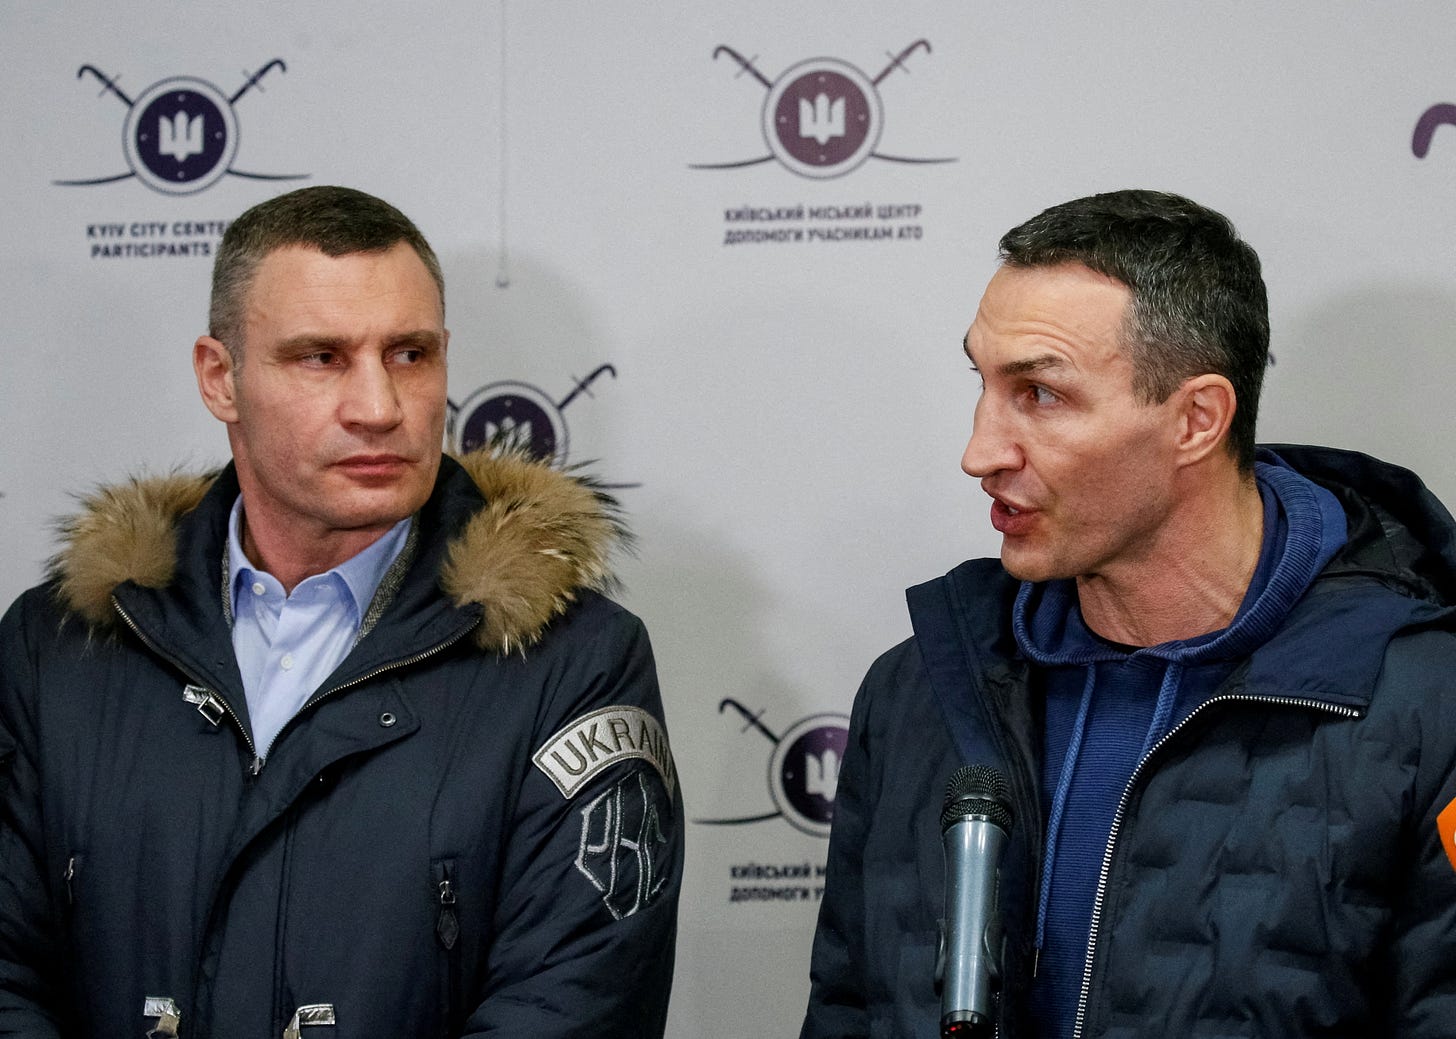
{"x":1059,"y":803}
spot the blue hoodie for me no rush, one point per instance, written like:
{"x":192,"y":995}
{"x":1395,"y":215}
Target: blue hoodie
{"x":1108,"y":705}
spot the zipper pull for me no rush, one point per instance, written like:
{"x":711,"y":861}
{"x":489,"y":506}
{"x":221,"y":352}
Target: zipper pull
{"x":447,"y":927}
{"x":307,"y":1016}
{"x":169,"y":1018}
{"x":69,"y":876}
{"x":207,"y":702}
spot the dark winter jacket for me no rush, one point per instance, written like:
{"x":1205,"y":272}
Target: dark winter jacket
{"x":1276,"y":867}
{"x":400,"y":862}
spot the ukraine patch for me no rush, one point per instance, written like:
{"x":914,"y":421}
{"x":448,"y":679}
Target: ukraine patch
{"x":582,"y":748}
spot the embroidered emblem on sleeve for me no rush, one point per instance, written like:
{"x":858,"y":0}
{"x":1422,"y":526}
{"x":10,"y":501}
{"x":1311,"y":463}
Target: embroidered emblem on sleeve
{"x":621,"y":841}
{"x":584,"y":747}
{"x":1446,"y":827}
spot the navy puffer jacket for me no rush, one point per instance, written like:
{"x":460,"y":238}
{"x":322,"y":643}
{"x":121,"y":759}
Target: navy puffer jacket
{"x":1280,"y":865}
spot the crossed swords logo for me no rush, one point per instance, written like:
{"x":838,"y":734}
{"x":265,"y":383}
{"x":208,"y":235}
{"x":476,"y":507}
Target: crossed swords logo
{"x":516,"y":416}
{"x":181,"y":133}
{"x":822,"y":117}
{"x":803,"y":769}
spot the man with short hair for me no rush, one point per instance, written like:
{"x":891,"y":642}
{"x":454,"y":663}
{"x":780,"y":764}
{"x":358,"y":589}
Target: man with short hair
{"x":345,"y":734}
{"x":1220,"y":684}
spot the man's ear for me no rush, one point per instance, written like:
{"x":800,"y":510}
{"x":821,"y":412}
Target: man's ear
{"x":216,"y":380}
{"x":1206,"y":406}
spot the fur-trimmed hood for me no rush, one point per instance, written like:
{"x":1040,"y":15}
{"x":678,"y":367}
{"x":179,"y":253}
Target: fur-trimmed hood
{"x":540,"y":537}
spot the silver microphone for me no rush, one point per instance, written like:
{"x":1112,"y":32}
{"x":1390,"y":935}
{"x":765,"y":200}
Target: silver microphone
{"x":973,"y":830}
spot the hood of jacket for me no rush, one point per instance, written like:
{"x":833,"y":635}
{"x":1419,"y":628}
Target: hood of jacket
{"x":1396,"y":571}
{"x":523,"y":540}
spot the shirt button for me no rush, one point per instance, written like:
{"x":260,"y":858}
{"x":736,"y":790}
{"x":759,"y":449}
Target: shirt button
{"x":258,"y":588}
{"x":287,"y":662}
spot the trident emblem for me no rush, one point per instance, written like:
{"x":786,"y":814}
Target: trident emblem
{"x":821,"y":118}
{"x":181,"y":134}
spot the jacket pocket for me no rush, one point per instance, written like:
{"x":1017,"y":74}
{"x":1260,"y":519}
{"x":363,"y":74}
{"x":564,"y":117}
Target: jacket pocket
{"x":72,"y":919}
{"x":445,"y":890}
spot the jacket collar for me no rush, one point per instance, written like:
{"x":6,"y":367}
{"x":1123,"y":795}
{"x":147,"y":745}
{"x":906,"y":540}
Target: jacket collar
{"x":1397,"y":571}
{"x":504,"y":537}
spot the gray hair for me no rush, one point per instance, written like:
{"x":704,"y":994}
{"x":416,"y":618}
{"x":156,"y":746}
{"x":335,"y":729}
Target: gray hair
{"x":1198,"y":299}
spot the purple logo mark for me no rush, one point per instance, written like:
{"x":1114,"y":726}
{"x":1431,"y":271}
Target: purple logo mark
{"x":512,"y":416}
{"x":181,"y":134}
{"x":821,"y":118}
{"x":1436,"y":115}
{"x":516,"y":416}
{"x":803,"y":770}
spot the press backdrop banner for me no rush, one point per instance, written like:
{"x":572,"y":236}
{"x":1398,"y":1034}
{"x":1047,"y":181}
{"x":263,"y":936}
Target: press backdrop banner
{"x":724,"y":255}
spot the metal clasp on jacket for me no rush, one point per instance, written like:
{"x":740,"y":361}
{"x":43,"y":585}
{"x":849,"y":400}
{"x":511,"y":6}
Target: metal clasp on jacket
{"x":311,"y":1014}
{"x":169,"y":1018}
{"x":208,"y":704}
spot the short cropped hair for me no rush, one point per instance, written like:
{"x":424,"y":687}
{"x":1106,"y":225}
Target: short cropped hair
{"x":336,"y":221}
{"x":1198,"y":298}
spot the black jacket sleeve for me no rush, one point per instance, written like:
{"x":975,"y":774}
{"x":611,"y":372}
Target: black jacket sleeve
{"x":584,"y":937}
{"x":30,"y":931}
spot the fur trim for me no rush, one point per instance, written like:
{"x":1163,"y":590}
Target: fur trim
{"x":542,"y":537}
{"x":123,"y":533}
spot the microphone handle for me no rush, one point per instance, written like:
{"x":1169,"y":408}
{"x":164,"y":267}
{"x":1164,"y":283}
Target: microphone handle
{"x":973,"y":849}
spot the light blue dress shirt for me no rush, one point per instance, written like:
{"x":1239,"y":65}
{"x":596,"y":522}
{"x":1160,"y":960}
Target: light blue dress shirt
{"x":287,"y":645}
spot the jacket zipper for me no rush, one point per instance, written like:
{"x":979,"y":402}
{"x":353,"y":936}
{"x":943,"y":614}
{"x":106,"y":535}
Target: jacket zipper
{"x":257,"y":765}
{"x":447,"y":927}
{"x":393,"y":665}
{"x":257,"y":762}
{"x":1082,"y":996}
{"x":447,"y":935}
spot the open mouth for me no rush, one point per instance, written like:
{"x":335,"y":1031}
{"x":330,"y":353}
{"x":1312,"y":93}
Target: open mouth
{"x":1009,"y":519}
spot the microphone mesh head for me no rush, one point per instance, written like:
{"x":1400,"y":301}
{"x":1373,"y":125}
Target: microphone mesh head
{"x":976,"y":790}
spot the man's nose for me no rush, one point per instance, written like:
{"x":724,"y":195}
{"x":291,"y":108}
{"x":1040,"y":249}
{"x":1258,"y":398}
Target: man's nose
{"x":991,"y":448}
{"x":371,"y":399}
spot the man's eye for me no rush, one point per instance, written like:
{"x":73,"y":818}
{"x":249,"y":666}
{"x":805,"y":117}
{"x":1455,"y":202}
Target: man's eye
{"x":1042,"y":395}
{"x":321,"y":358}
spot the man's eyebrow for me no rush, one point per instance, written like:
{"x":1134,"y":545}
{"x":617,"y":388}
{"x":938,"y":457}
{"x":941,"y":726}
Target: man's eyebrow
{"x":1031,"y":365}
{"x":309,"y":342}
{"x":1025,"y":366}
{"x":423,"y":338}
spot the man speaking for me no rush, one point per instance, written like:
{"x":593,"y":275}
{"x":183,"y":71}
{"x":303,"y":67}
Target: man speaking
{"x":343,"y":739}
{"x":1214,"y":686}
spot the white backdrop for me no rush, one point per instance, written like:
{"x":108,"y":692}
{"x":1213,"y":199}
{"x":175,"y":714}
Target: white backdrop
{"x":787,"y":410}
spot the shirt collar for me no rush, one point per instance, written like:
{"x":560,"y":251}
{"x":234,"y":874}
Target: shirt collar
{"x":361,"y":573}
